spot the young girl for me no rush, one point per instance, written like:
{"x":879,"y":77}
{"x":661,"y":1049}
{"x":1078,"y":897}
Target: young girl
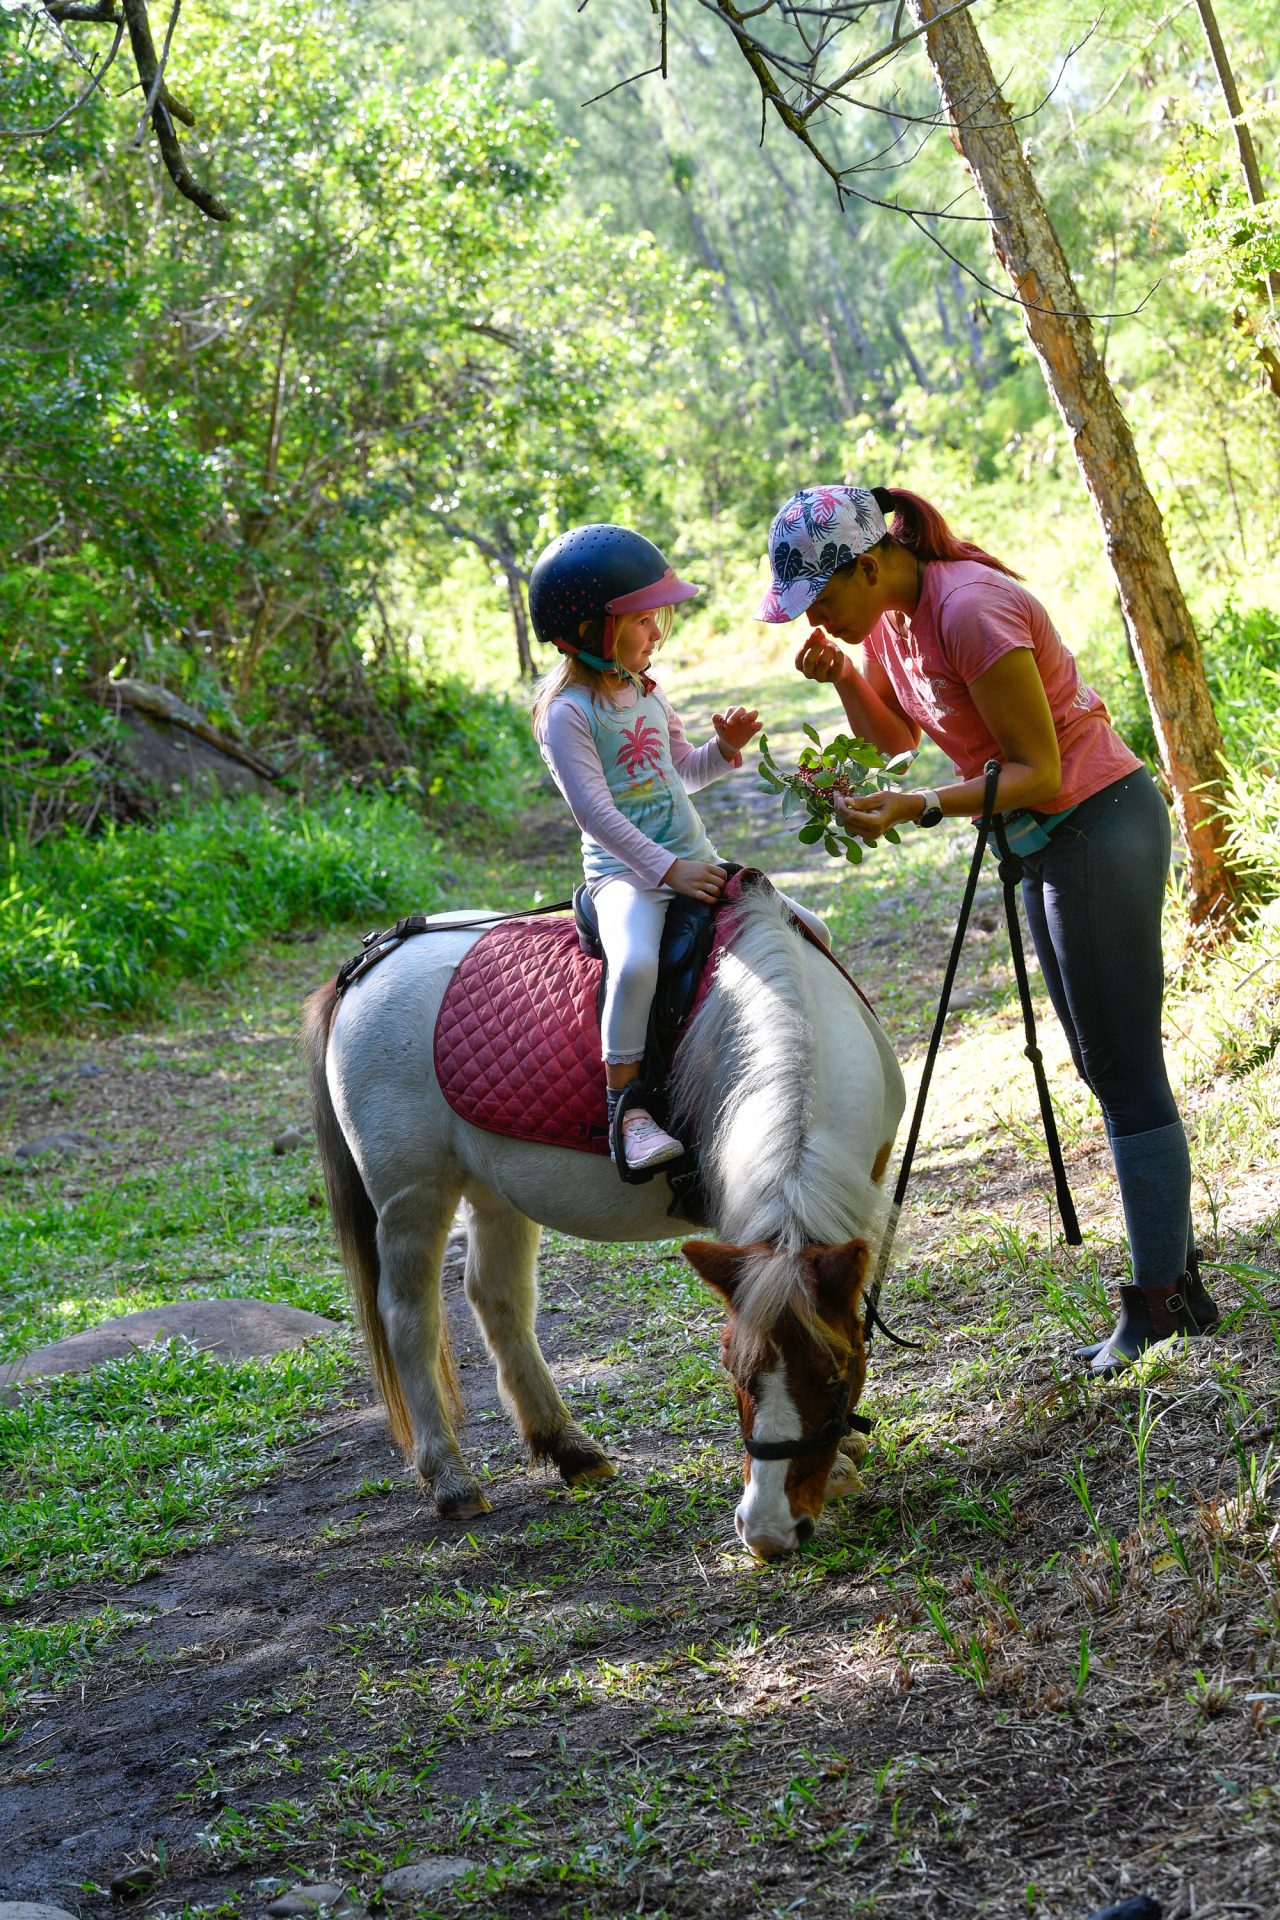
{"x":618,"y":754}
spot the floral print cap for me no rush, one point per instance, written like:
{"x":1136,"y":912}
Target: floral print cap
{"x":819,"y":530}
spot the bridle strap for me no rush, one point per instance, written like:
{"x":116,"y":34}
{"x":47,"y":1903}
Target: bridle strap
{"x":830,"y":1433}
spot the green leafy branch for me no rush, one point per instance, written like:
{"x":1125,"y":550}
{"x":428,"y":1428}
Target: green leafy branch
{"x":847,"y":767}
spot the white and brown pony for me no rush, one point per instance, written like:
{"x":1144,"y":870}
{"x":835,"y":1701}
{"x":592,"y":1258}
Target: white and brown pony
{"x":792,"y":1088}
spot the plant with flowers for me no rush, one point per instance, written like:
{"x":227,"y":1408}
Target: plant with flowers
{"x":847,"y":766}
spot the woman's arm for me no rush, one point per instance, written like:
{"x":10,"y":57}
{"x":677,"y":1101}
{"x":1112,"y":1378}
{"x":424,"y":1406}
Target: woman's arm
{"x":867,"y":698}
{"x":1012,"y":704}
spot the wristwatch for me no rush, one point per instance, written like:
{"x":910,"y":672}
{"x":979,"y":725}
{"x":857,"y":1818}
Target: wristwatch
{"x":932,"y":813}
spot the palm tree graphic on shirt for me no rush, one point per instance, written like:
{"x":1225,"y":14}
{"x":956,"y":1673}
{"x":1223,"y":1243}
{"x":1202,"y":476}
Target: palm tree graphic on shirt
{"x":641,"y":747}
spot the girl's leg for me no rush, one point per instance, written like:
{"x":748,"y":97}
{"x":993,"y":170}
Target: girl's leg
{"x":631,"y":919}
{"x":1100,"y":884}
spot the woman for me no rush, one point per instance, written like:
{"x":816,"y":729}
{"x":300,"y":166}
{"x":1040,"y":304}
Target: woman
{"x":956,"y":647}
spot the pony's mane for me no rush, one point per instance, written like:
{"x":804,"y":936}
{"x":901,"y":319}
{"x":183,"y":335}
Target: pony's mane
{"x":744,"y":1078}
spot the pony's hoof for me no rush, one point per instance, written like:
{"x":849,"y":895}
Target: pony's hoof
{"x":578,"y":1468}
{"x":462,"y":1505}
{"x":842,"y":1479}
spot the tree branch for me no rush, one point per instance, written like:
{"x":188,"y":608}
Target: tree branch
{"x":40,"y":133}
{"x":151,"y":76}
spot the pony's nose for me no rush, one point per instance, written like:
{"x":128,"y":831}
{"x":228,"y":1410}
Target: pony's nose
{"x":766,"y":1547}
{"x":804,"y":1528}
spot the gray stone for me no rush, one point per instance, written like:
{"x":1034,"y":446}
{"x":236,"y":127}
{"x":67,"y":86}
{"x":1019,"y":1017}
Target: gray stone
{"x":227,"y":1329}
{"x":63,"y":1143}
{"x":426,"y":1876}
{"x":131,"y":1881}
{"x":323,"y":1897}
{"x":32,"y":1910}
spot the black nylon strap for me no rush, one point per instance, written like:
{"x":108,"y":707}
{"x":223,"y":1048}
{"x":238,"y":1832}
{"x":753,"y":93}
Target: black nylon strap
{"x":1010,"y":872}
{"x":376,"y":946}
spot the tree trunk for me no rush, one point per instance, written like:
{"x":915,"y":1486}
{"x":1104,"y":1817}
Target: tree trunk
{"x":1239,"y":125}
{"x":1154,"y":608}
{"x":848,"y":398}
{"x":519,"y":615}
{"x":1270,"y":284}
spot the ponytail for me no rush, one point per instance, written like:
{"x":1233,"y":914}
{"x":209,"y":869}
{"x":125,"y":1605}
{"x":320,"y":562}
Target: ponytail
{"x":920,"y":528}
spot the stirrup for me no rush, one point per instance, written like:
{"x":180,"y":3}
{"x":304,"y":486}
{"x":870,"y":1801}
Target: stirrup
{"x":645,"y":1144}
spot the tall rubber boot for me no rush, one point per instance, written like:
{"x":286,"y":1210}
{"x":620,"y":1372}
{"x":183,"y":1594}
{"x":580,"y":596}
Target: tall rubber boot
{"x":1154,"y":1174}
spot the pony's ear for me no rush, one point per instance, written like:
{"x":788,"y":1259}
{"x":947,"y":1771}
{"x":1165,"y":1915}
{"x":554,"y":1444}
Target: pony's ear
{"x":719,"y":1266}
{"x":839,"y":1275}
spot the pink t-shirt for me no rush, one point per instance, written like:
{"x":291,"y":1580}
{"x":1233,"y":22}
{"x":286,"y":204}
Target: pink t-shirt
{"x":967,"y":616}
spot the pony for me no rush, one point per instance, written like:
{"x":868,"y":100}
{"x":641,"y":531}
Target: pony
{"x":784,"y":1075}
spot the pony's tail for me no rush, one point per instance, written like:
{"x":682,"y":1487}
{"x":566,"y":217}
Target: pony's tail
{"x":918,"y":526}
{"x":355,"y":1219}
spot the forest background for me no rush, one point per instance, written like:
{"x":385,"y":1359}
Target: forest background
{"x":295,"y":466}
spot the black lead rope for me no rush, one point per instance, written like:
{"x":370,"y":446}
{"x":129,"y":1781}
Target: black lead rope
{"x":1010,"y":870}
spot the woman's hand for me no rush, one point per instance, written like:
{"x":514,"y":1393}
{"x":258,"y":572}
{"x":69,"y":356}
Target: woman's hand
{"x":822,"y":660}
{"x":872,"y":814}
{"x":698,"y":879}
{"x":734,"y":729}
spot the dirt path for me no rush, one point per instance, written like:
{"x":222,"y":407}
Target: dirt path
{"x":983,"y":1690}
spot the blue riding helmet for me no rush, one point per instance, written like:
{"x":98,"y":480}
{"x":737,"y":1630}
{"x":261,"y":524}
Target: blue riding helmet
{"x":598,"y":573}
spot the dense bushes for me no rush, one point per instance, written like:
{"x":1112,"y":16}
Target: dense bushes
{"x":105,"y":923}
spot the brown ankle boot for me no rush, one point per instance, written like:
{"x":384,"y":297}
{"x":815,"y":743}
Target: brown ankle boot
{"x":1200,"y":1303}
{"x":1149,"y":1315}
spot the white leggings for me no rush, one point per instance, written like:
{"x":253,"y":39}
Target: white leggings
{"x":630,"y":919}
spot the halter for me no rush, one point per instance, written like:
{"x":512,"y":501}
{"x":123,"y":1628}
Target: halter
{"x":832,"y":1431}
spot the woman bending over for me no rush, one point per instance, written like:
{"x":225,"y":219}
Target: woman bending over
{"x":956,"y":647}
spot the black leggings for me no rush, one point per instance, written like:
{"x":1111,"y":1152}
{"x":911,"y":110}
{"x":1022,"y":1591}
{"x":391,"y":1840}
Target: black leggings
{"x":1093,"y":899}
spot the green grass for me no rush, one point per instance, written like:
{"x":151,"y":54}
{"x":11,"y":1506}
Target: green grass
{"x":107,"y":1470}
{"x":108,"y":924}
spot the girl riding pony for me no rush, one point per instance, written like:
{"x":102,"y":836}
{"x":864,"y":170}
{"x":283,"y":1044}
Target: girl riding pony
{"x":618,"y":753}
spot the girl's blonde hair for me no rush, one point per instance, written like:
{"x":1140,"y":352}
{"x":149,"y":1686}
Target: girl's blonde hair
{"x":569,"y":671}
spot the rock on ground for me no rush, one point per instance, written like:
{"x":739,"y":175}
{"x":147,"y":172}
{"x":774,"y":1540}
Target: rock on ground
{"x":325,"y":1896}
{"x":32,"y":1910}
{"x":228,"y":1329}
{"x":425,"y":1876}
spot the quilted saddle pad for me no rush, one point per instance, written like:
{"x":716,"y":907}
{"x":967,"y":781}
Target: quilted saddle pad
{"x":517,"y":1040}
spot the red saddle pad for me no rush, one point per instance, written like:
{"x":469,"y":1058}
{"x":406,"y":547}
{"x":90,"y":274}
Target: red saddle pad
{"x":517,"y":1040}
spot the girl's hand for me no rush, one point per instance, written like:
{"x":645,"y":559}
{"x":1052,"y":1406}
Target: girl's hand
{"x":872,"y":814}
{"x":734,"y":729}
{"x":699,"y":879}
{"x":822,"y":660}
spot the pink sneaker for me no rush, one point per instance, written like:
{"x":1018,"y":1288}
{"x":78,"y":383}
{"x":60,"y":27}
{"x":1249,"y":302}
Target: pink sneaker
{"x":646,"y":1143}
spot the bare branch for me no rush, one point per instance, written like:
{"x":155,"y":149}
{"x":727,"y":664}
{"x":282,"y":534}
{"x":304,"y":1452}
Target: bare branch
{"x":157,"y":85}
{"x":107,"y":10}
{"x":39,"y":133}
{"x":884,"y":53}
{"x":144,"y":57}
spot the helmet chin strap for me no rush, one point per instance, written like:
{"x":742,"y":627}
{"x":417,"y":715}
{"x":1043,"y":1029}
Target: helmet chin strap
{"x":608,"y":664}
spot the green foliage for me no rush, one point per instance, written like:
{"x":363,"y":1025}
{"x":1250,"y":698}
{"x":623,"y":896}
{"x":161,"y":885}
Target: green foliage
{"x":847,"y":767}
{"x":137,"y":1458}
{"x":107,"y":924}
{"x":1242,"y":665}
